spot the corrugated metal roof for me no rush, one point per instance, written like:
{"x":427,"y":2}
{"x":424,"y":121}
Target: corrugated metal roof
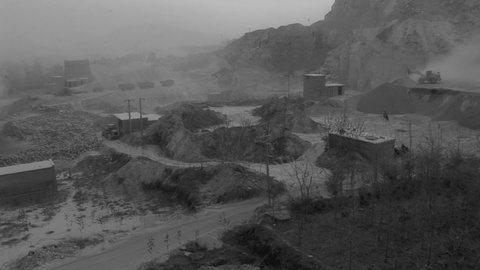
{"x":124,"y":116}
{"x":27,"y":167}
{"x":136,"y":115}
{"x":152,"y":116}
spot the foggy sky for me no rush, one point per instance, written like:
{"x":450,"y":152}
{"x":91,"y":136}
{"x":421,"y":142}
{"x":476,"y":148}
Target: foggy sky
{"x":66,"y":29}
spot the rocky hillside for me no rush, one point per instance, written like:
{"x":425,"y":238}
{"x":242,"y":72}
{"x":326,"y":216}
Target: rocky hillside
{"x":363,"y":43}
{"x":286,"y":48}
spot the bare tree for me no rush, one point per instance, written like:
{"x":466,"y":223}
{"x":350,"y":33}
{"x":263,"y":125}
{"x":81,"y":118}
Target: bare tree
{"x":304,"y":174}
{"x":344,"y":124}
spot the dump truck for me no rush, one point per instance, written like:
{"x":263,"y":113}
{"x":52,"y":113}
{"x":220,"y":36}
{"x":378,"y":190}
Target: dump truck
{"x":430,"y":77}
{"x":111,"y":132}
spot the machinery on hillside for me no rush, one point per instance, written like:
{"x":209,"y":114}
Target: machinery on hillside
{"x":111,"y":132}
{"x":429,"y":77}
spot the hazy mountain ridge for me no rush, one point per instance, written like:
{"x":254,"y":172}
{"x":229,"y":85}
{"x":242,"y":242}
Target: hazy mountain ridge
{"x":362,"y":42}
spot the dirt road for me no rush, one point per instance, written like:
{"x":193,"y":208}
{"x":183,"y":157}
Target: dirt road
{"x":132,"y":252}
{"x":207,"y":224}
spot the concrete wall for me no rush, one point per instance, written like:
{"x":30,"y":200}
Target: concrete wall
{"x":381,"y":151}
{"x":28,"y":187}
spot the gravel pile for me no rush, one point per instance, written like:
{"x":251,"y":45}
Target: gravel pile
{"x":55,"y":135}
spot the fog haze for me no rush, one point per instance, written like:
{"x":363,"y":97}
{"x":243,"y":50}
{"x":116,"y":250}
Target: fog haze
{"x":60,"y":29}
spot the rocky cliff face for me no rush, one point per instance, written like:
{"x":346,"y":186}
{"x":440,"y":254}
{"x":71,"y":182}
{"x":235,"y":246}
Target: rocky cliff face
{"x":287,"y":48}
{"x":406,"y":35}
{"x":362,"y":42}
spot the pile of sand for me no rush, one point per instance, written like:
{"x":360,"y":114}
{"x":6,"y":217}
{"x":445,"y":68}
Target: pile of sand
{"x":437,"y":102}
{"x":388,"y":97}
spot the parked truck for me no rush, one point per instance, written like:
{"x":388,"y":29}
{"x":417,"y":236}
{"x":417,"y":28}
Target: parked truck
{"x":111,"y":132}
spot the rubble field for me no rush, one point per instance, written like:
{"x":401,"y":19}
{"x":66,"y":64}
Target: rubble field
{"x":54,"y":135}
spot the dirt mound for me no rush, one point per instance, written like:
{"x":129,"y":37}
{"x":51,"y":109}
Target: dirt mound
{"x":194,"y":116}
{"x":388,"y":97}
{"x":231,"y":182}
{"x":291,"y":113}
{"x":174,"y":138}
{"x":448,"y":105}
{"x":175,"y":135}
{"x":102,"y":163}
{"x":127,"y":181}
{"x":142,"y":177}
{"x":440,"y":103}
{"x":239,"y":143}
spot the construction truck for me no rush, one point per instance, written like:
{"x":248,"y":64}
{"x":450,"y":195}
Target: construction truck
{"x":430,"y":78}
{"x":111,"y":132}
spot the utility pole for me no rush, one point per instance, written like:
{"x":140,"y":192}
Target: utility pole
{"x":129,"y":116}
{"x":286,"y":105}
{"x":265,"y":142}
{"x":141,"y":117}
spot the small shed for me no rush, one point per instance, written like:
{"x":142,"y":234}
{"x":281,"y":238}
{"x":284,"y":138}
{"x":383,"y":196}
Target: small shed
{"x":373,"y":147}
{"x":124,"y":120}
{"x":28,"y":183}
{"x":315,"y":87}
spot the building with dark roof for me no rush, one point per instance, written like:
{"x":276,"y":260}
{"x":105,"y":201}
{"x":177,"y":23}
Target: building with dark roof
{"x":77,"y":69}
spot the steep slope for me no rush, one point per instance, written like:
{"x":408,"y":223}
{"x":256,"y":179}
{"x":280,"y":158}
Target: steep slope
{"x":286,"y":48}
{"x":363,"y":43}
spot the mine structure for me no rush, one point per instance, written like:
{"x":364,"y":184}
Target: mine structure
{"x":133,"y":121}
{"x":315,"y":87}
{"x":76,"y":73}
{"x":28,"y":183}
{"x":373,"y":147}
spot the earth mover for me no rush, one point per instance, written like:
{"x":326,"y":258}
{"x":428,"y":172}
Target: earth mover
{"x":430,"y":78}
{"x":111,"y":132}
